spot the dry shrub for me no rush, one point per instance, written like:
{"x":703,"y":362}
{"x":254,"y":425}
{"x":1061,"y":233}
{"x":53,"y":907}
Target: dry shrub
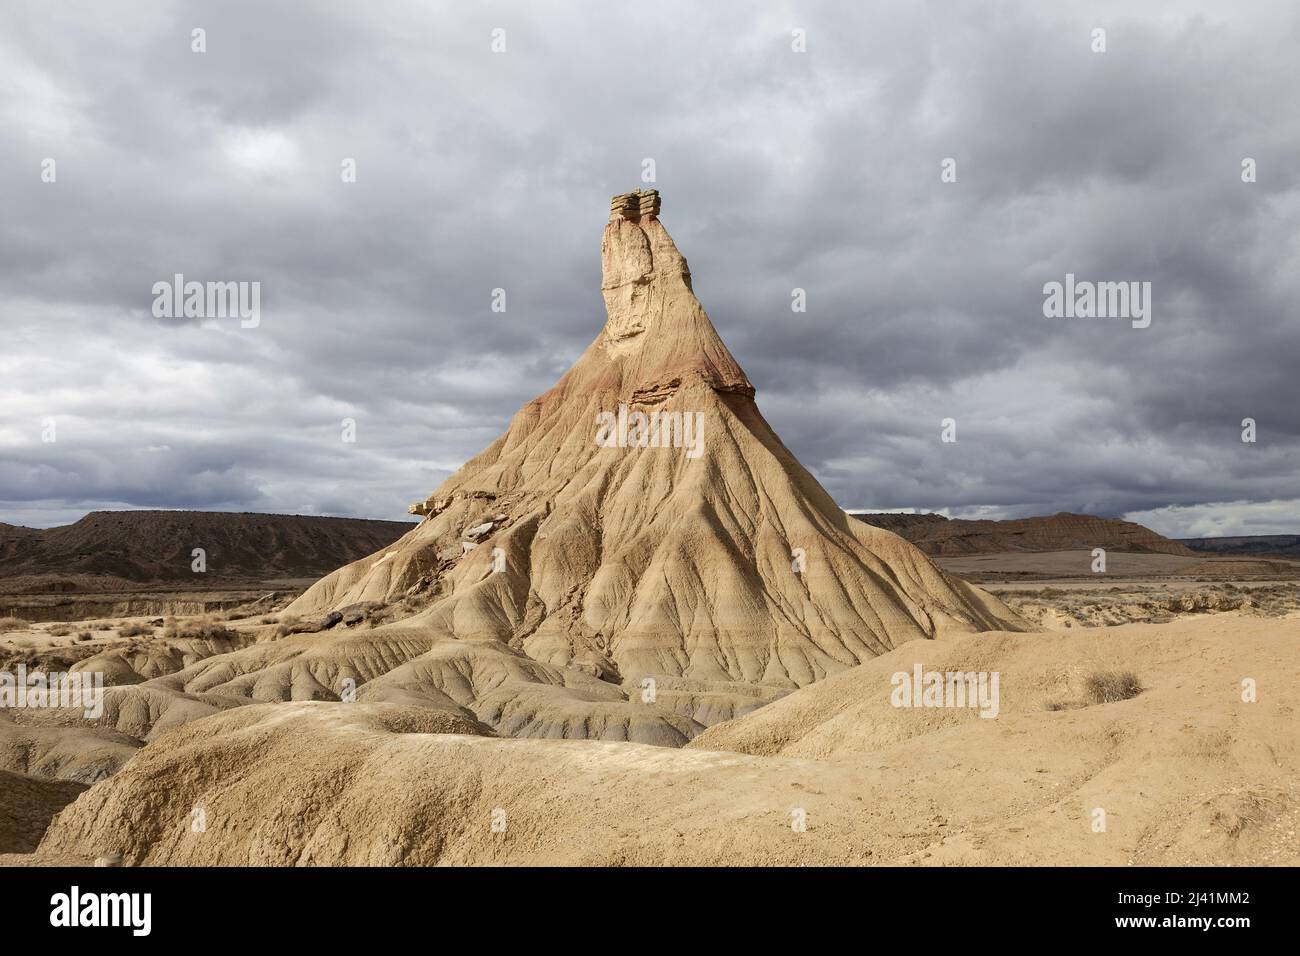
{"x":203,"y":627}
{"x":8,"y":624}
{"x":58,"y":630}
{"x":134,"y":630}
{"x":287,"y":621}
{"x":1107,"y":687}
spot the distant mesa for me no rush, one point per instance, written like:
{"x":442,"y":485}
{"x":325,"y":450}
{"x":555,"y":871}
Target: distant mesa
{"x":155,"y":547}
{"x":1264,"y":545}
{"x":948,"y":537}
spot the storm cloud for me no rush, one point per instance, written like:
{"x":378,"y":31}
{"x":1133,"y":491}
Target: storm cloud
{"x":820,"y":170}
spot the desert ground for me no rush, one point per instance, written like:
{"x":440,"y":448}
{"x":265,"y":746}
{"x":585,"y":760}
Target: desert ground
{"x":1183,"y":768}
{"x":1057,"y":589}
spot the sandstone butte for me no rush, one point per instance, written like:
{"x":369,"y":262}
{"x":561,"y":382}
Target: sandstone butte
{"x":635,"y":562}
{"x":562,"y":588}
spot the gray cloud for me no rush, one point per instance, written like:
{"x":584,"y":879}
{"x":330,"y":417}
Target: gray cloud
{"x":817,"y":170}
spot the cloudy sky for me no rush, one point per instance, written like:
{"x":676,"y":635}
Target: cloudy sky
{"x":820,"y":170}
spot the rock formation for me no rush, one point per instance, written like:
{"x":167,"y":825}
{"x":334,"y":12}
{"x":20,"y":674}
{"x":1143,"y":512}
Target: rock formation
{"x":637,"y":558}
{"x":685,"y":542}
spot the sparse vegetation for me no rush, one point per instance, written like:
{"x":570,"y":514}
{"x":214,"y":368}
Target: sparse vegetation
{"x":84,"y":636}
{"x":287,"y":622}
{"x":134,"y":630}
{"x":1107,"y":687}
{"x":59,"y":630}
{"x":414,"y":603}
{"x":1100,"y":687}
{"x":8,"y":624}
{"x":1150,"y":603}
{"x":205,"y":628}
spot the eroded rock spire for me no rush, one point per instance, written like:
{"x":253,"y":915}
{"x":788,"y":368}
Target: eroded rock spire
{"x":561,"y":569}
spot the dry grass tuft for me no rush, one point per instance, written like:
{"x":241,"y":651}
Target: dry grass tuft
{"x":205,"y":628}
{"x":1107,"y":687}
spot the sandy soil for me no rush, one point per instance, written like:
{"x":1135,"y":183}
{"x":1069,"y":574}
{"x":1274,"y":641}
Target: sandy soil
{"x":1185,"y":772}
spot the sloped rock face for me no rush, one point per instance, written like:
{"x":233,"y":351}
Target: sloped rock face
{"x":937,"y":535}
{"x":641,"y":519}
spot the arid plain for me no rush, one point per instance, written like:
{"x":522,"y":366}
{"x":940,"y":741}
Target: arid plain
{"x":1186,"y":771}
